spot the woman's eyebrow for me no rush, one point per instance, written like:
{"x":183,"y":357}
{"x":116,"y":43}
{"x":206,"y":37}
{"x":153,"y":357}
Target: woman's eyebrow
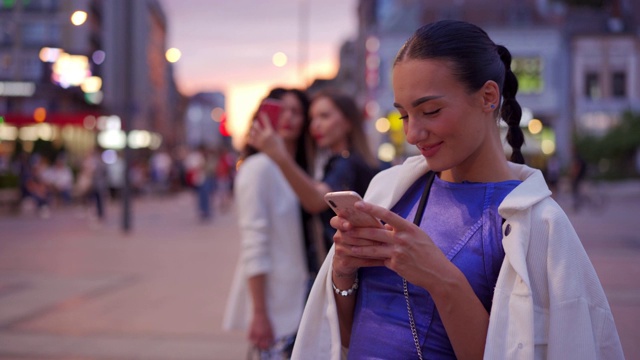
{"x":419,"y":101}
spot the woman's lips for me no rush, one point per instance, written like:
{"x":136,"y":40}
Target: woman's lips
{"x":430,"y":150}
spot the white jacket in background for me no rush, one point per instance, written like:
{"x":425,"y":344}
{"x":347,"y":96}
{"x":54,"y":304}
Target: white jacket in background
{"x":272,"y":240}
{"x":548,"y":301}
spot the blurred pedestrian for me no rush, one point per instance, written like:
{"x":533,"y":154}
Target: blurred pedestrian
{"x":160,"y":165}
{"x":91,"y":185}
{"x":224,"y":177}
{"x":60,"y":180}
{"x":115,"y":171}
{"x":577,"y":174}
{"x":34,"y":184}
{"x":270,"y":284}
{"x":336,"y":127}
{"x":199,"y":169}
{"x":475,"y":259}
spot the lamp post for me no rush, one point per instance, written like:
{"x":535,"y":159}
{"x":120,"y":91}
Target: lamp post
{"x":303,"y":41}
{"x":128,"y":114}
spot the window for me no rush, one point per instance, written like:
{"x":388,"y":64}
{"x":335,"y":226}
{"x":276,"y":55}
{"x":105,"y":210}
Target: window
{"x":40,"y":34}
{"x":41,"y":5}
{"x":592,"y":86}
{"x":6,"y":66}
{"x":619,"y":84}
{"x":7,"y":30}
{"x":528,"y":71}
{"x":32,"y":68}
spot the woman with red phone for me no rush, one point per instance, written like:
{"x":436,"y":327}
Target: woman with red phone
{"x":337,"y":127}
{"x":271,"y":281}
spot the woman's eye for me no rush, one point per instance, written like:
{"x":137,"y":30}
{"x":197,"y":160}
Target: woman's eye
{"x":431,"y":112}
{"x":404,"y":117}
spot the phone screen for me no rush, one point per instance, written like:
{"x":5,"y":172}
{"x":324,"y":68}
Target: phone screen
{"x":272,"y":109}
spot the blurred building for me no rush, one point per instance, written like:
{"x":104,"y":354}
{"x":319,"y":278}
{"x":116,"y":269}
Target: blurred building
{"x":577,"y":62}
{"x":72,"y":69}
{"x":205,"y":121}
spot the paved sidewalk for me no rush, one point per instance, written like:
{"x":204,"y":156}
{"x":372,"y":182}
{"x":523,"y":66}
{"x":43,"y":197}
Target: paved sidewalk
{"x":71,"y":288}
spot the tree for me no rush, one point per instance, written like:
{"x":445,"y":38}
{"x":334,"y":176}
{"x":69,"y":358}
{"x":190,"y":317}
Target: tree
{"x":617,"y":148}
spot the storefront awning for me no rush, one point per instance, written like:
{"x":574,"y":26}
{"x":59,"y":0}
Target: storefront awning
{"x":60,"y":119}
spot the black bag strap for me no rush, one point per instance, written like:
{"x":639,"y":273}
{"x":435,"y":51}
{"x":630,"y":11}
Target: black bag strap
{"x":423,"y":199}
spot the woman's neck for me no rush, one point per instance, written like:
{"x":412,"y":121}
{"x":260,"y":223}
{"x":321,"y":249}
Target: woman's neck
{"x":339,"y":147}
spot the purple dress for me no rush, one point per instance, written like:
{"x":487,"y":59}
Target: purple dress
{"x":463,"y":221}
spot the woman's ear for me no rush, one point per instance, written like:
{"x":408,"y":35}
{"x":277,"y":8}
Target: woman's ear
{"x":490,"y":93}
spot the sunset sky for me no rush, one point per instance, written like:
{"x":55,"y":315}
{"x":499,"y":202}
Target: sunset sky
{"x":228,"y":46}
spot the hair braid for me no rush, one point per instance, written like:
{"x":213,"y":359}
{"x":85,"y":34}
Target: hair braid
{"x":511,"y":111}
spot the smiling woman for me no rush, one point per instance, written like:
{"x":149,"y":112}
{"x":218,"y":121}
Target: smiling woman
{"x":475,"y":260}
{"x":221,"y":49}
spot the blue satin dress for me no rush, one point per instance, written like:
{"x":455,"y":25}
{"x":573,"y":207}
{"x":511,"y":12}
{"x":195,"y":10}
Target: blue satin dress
{"x":463,"y":221}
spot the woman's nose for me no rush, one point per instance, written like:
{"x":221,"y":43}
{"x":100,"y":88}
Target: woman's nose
{"x":414,"y":132}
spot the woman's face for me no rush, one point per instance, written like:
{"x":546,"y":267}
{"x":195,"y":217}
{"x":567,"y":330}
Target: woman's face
{"x":440,"y":117}
{"x":291,"y":120}
{"x":329,"y":128}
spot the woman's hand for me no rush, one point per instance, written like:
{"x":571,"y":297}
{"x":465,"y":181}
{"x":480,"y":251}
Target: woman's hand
{"x":265,"y":138}
{"x":346,"y":240}
{"x":260,"y":331}
{"x":401,"y":246}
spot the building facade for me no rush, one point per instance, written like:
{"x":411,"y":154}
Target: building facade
{"x":577,"y":66}
{"x":51,"y":51}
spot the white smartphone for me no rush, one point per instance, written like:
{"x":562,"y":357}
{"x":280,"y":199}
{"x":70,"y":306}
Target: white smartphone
{"x":342,"y":203}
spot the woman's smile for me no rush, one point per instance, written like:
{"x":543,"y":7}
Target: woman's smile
{"x":430,"y":150}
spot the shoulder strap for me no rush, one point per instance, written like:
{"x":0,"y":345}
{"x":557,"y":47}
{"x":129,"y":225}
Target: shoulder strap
{"x":423,"y":199}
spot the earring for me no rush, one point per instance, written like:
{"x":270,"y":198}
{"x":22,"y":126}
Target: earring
{"x":493,"y":106}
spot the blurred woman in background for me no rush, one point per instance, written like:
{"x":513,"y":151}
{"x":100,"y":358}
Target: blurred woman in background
{"x":337,"y":128}
{"x":271,"y":280}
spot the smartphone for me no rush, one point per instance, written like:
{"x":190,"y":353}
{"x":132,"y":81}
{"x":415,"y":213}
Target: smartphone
{"x":342,"y":203}
{"x":271,"y":108}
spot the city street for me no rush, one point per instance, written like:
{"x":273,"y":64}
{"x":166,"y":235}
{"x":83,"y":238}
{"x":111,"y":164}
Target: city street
{"x":71,"y":288}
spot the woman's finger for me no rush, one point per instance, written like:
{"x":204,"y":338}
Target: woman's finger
{"x":264,"y":122}
{"x":388,"y":217}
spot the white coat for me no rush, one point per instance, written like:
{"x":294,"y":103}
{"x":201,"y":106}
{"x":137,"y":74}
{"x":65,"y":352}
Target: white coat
{"x":548,"y":301}
{"x":272,"y":239}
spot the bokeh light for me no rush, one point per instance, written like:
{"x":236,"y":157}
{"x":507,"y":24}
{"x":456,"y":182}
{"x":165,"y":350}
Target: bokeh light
{"x":78,"y":18}
{"x":535,"y":126}
{"x":91,"y":84}
{"x":49,"y":55}
{"x":39,"y":114}
{"x":110,"y":156}
{"x":173,"y":55}
{"x":279,"y":59}
{"x":98,"y":57}
{"x":216,"y":114}
{"x":383,"y":125}
{"x":386,"y":152}
{"x":372,"y":44}
{"x":548,"y":147}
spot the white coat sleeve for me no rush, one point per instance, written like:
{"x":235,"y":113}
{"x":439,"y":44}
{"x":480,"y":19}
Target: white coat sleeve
{"x":252,"y":194}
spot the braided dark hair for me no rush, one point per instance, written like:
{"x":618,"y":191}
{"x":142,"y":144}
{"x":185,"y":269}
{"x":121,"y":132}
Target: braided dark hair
{"x":475,"y":60}
{"x":511,"y":112}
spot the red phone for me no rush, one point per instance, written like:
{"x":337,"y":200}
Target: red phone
{"x":342,"y":203}
{"x":271,"y":108}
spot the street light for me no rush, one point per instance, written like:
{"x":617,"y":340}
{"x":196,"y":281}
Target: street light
{"x":173,"y":55}
{"x":279,"y":59}
{"x":78,"y":17}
